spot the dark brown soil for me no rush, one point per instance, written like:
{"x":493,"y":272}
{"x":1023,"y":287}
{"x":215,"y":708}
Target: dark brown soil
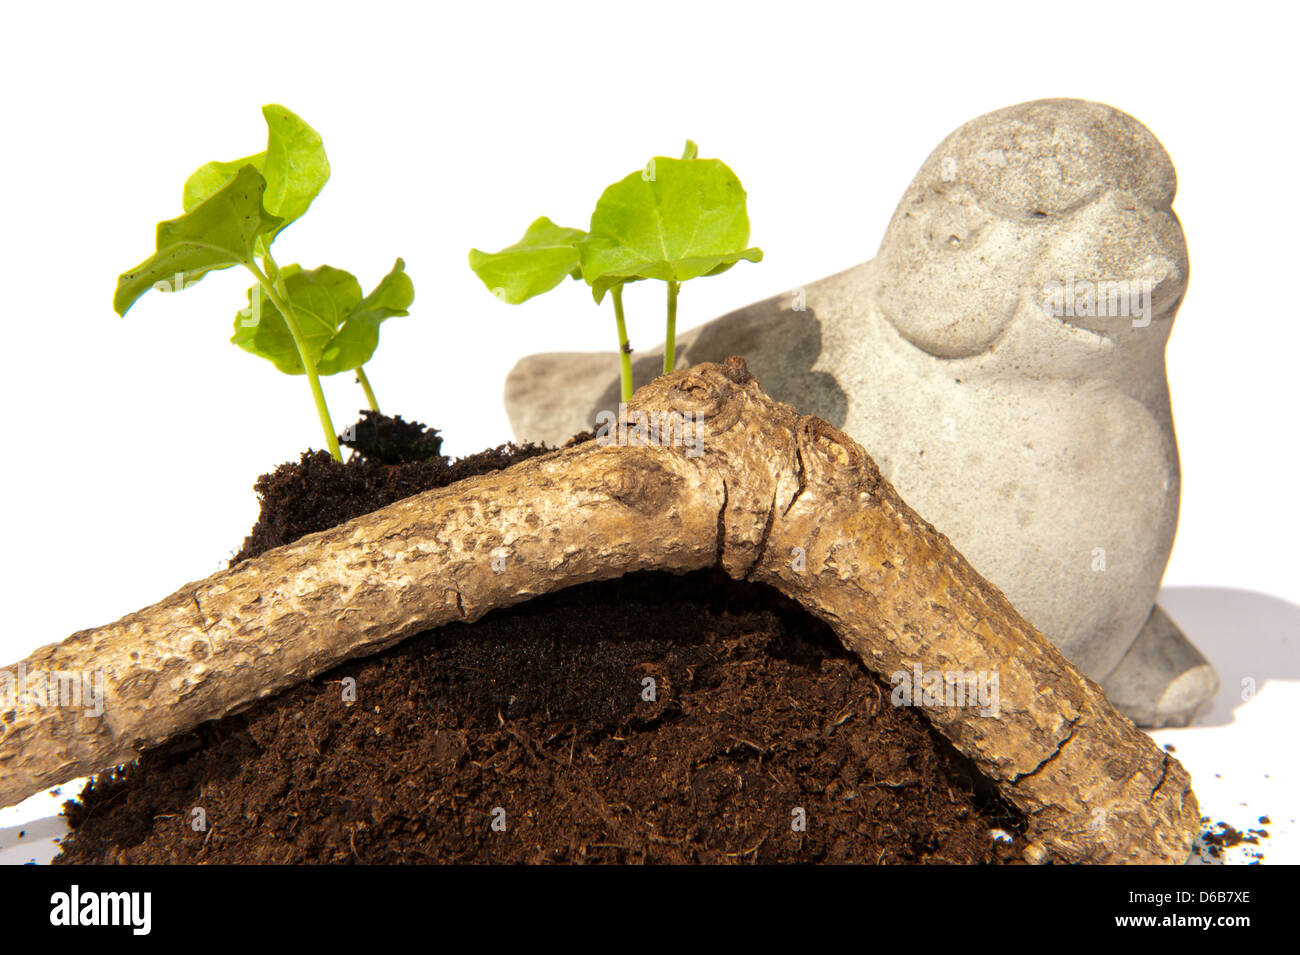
{"x":528,"y":736}
{"x":377,"y":437}
{"x":318,"y":493}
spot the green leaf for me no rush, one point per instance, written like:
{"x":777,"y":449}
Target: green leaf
{"x":339,"y":328}
{"x":296,"y":168}
{"x":294,"y":165}
{"x":535,"y":264}
{"x":604,"y":284}
{"x":211,"y":176}
{"x":355,"y":342}
{"x":392,"y":296}
{"x":676,"y":220}
{"x":321,"y":300}
{"x":216,"y":234}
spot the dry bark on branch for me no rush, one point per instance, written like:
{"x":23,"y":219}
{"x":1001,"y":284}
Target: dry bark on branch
{"x":774,"y":497}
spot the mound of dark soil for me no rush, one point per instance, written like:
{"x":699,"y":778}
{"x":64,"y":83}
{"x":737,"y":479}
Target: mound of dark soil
{"x":318,"y":493}
{"x":652,"y":718}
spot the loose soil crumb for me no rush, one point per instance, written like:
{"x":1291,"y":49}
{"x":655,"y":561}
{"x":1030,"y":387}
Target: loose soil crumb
{"x":654,"y":718}
{"x":1224,"y":836}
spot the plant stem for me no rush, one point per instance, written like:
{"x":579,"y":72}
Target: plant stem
{"x":364,"y":382}
{"x":624,"y":352}
{"x":291,"y":320}
{"x":670,"y":342}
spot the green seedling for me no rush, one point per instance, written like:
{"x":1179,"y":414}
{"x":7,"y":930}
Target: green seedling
{"x":306,"y":322}
{"x":674,"y":220}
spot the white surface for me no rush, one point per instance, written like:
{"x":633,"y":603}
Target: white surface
{"x":1241,"y":751}
{"x":451,"y":126}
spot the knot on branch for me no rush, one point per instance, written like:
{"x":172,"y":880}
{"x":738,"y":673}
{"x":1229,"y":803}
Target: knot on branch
{"x":641,"y":483}
{"x":737,"y":370}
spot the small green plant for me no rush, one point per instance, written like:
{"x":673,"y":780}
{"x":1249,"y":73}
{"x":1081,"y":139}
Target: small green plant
{"x":674,"y":220}
{"x":310,"y":322}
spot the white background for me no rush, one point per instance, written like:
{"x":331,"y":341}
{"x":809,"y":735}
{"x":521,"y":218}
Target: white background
{"x":132,"y":444}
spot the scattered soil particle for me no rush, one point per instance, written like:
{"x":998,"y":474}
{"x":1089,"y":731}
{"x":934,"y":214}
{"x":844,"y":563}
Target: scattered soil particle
{"x":1221,"y":836}
{"x":653,"y":718}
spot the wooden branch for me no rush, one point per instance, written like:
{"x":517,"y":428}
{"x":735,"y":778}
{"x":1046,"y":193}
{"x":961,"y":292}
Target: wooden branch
{"x":774,"y":497}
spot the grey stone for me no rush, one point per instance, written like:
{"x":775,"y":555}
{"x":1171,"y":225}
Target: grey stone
{"x":1030,"y":426}
{"x":1163,"y":679}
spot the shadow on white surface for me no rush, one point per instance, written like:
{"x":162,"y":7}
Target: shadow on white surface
{"x":1238,"y":751}
{"x":32,"y":842}
{"x":1251,"y":638}
{"x":29,"y":831}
